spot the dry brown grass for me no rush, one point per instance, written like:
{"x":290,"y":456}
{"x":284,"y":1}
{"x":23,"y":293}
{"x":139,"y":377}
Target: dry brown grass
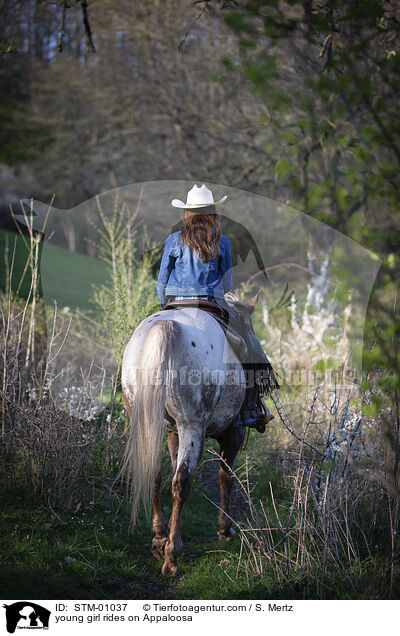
{"x":327,"y":511}
{"x":41,"y":446}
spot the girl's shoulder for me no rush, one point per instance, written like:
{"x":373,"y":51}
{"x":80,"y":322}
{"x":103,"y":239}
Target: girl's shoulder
{"x":174,"y":238}
{"x":173,"y":242}
{"x":225,"y":242}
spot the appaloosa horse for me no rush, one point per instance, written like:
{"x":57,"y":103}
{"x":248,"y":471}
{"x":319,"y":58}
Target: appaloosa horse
{"x":179,"y":365}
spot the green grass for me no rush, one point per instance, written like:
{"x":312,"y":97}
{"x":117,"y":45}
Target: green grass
{"x":7,"y":242}
{"x":92,"y":554}
{"x":86,"y":555}
{"x":67,"y":277}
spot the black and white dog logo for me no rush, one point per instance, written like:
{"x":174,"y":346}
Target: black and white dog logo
{"x":26,"y":615}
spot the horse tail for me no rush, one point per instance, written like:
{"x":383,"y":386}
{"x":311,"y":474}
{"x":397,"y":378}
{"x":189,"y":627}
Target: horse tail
{"x":142,"y":460}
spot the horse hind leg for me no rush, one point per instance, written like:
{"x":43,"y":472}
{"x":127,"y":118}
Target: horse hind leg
{"x":160,"y":523}
{"x":185,"y":452}
{"x":173,"y":447}
{"x":174,"y":547}
{"x":229,"y":443}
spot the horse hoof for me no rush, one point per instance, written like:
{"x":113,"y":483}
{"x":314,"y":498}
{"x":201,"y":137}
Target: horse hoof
{"x":227,"y":536}
{"x":169,"y":569}
{"x":158,"y":547}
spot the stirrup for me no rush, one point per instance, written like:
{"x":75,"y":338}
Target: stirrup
{"x":254,"y":421}
{"x":268,"y":415}
{"x":260,"y":425}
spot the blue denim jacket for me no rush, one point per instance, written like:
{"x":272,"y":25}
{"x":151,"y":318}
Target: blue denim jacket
{"x":183,"y":274}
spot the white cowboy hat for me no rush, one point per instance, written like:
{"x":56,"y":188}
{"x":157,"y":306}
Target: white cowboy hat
{"x":197,"y":198}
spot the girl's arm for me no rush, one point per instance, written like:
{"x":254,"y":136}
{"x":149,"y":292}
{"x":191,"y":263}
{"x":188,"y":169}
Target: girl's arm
{"x":226,"y":265}
{"x":166,"y":267}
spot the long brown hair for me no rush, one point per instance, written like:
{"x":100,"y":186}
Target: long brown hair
{"x":202,"y":232}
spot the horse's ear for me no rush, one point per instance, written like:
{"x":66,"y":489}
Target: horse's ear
{"x":253,"y":301}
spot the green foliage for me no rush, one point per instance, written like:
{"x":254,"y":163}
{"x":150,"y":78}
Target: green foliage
{"x":7,"y":47}
{"x":283,"y":169}
{"x":131,"y":295}
{"x":337,"y":149}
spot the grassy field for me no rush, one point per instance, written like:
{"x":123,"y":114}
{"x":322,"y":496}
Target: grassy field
{"x":67,"y":277}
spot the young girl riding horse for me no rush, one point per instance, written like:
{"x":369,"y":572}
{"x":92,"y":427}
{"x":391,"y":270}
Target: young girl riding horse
{"x":197,"y":264}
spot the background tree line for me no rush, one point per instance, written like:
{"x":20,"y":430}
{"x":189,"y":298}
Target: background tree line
{"x":152,"y":103}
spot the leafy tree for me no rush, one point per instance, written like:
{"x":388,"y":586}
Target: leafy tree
{"x":329,"y":77}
